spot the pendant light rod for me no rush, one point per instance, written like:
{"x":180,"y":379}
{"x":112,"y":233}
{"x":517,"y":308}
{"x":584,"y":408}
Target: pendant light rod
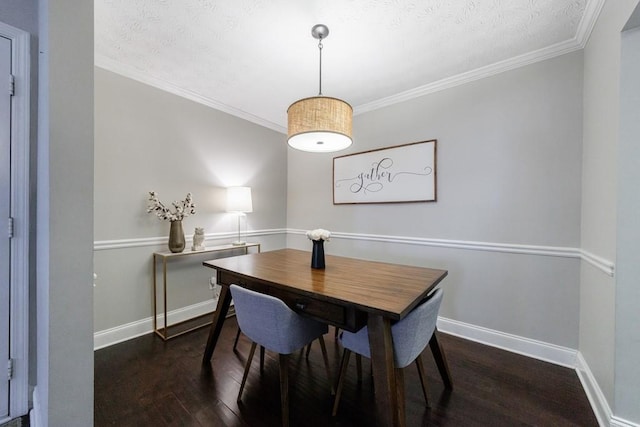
{"x":319,"y":32}
{"x":320,"y":78}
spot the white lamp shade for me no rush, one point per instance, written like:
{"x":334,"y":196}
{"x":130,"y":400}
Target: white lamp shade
{"x":239,"y":199}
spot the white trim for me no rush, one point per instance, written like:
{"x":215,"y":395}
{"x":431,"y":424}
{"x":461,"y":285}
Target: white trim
{"x":20,"y":146}
{"x":590,"y":16}
{"x":532,"y":348}
{"x":146,"y":78}
{"x":122,"y":333}
{"x":461,"y":244}
{"x":138,"y":328}
{"x":101,"y":245}
{"x":621,"y":422}
{"x":598,"y":402}
{"x":35,"y":414}
{"x":473,"y":75}
{"x":598,"y":262}
{"x":540,"y":350}
{"x":596,"y":398}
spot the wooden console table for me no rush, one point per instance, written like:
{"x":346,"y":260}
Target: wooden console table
{"x":165,"y":257}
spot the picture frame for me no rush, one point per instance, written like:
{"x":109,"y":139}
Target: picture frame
{"x":398,"y":174}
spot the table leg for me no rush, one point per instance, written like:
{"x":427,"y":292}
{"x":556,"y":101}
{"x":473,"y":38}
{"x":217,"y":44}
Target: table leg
{"x":389,"y":410}
{"x":224,"y":300}
{"x":155,"y":297}
{"x":165,"y":335}
{"x":441,"y":360}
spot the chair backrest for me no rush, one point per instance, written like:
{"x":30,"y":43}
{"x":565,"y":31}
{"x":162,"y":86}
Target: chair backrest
{"x":412,"y":334}
{"x":268,"y":321}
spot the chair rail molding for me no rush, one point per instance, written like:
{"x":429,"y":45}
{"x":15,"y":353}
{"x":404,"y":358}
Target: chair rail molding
{"x":598,"y":262}
{"x":102,"y":245}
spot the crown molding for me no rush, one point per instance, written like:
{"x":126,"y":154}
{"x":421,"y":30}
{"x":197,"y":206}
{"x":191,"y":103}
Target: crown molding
{"x":591,"y":13}
{"x":142,"y":77}
{"x":473,"y":75}
{"x":587,"y":23}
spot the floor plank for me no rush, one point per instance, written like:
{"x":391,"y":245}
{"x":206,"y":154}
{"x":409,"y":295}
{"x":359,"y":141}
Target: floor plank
{"x":148,"y":382}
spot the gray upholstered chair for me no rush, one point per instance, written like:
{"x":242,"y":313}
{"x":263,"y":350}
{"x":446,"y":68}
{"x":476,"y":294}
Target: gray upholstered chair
{"x":410,"y":336}
{"x":267,"y":321}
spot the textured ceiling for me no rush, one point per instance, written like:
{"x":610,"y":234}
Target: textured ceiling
{"x":253,"y":58}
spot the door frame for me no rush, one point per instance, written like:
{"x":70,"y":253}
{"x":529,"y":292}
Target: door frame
{"x":20,"y":211}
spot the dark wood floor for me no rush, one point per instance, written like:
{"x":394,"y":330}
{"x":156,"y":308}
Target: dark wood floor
{"x":147,"y":382}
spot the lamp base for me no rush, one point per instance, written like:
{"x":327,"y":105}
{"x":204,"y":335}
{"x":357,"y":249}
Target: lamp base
{"x":238,"y":243}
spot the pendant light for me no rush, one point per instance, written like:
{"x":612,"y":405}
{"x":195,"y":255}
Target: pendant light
{"x":320,"y":123}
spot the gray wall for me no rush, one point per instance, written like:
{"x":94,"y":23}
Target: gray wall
{"x":21,"y":14}
{"x":148,"y":139}
{"x":599,"y":193}
{"x":509,"y":170}
{"x":64,"y":393}
{"x":627,"y":371}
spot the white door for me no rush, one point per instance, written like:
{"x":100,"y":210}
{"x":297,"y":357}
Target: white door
{"x":5,"y":196}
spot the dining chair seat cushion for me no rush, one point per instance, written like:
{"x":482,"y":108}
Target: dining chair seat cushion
{"x":261,"y":317}
{"x":410,"y":335}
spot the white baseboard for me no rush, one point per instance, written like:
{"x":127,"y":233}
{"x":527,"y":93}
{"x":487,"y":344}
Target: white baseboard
{"x":552,"y":353}
{"x":598,"y":402}
{"x":620,"y":422}
{"x":35,"y":415}
{"x":135,"y":329}
{"x":543,"y":351}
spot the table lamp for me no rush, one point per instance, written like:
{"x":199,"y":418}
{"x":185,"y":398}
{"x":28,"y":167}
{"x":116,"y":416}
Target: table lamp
{"x":239,"y":202}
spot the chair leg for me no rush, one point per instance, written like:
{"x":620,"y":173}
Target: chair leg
{"x":326,"y":362}
{"x":343,"y":370}
{"x":284,"y":388}
{"x":308,"y":350}
{"x":261,"y":359}
{"x":235,"y":342}
{"x":400,"y":390}
{"x":441,"y":360}
{"x":246,"y":370}
{"x":423,"y":378}
{"x":359,"y":367}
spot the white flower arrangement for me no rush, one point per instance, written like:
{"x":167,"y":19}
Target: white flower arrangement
{"x":319,"y":234}
{"x":180,"y":210}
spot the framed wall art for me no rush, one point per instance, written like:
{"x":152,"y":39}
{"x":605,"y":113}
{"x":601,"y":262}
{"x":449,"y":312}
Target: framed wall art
{"x":402,"y":173}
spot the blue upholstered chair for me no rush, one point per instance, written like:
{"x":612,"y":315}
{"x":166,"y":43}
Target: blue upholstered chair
{"x":410,"y":335}
{"x":267,"y":321}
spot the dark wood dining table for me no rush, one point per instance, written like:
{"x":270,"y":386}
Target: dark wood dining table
{"x":348,"y":293}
